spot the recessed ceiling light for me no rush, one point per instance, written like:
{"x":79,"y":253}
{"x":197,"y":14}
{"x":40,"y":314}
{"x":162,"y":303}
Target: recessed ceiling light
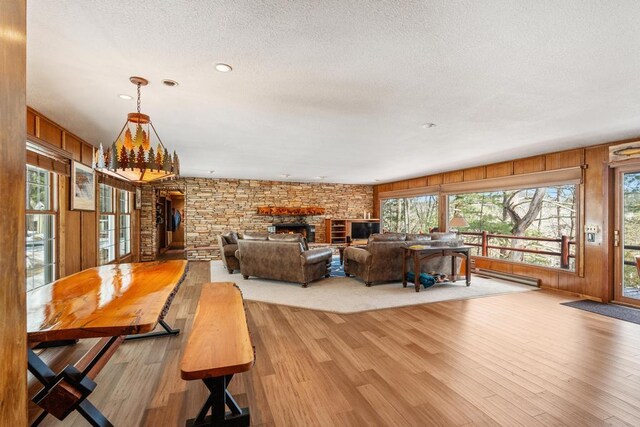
{"x":376,"y":180}
{"x":321,"y":177}
{"x":210,"y":172}
{"x":285,"y":175}
{"x":125,"y":96}
{"x":223,"y":68}
{"x":170,"y":83}
{"x":428,"y":125}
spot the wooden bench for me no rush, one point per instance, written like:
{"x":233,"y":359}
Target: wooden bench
{"x":219,"y":347}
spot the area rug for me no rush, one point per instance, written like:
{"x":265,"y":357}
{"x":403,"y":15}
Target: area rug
{"x":337,"y":269}
{"x":349,"y":295}
{"x":610,"y":310}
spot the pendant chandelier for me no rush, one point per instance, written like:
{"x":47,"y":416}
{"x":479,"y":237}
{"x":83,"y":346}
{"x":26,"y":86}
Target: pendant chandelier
{"x":132,"y":156}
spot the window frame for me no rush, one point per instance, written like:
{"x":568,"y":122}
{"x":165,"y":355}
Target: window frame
{"x":117,"y":215}
{"x":566,"y":176}
{"x":436,"y":195}
{"x":112,"y":213}
{"x":578,"y":223}
{"x":53,"y":211}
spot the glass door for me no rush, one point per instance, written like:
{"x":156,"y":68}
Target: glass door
{"x":627,"y":236}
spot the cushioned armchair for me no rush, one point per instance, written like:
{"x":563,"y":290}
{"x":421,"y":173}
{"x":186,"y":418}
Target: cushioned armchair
{"x":381,"y":259}
{"x":228,"y":244}
{"x":283,"y":257}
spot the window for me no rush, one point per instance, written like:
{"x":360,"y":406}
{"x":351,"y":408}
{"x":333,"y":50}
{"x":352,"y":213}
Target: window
{"x":40,"y":228}
{"x":124,"y":215}
{"x":115,"y":224}
{"x":533,"y":226}
{"x":107,"y":227}
{"x":410,"y":214}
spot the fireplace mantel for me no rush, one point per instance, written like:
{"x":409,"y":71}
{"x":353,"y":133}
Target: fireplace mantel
{"x":286,"y":211}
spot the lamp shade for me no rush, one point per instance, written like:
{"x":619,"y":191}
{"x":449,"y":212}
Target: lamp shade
{"x":458,"y":220}
{"x":132,"y":155}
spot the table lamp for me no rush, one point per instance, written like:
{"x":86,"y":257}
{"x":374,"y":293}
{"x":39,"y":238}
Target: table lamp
{"x":457,"y":222}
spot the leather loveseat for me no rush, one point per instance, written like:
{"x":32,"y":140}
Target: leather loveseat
{"x":381,"y":259}
{"x":282,"y":257}
{"x":228,"y":244}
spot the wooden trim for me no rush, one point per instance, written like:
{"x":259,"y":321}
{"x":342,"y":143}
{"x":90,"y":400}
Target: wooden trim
{"x":608,"y":255}
{"x":115,"y":182}
{"x":572,"y":175}
{"x":529,"y":180}
{"x":37,"y":135}
{"x":38,"y":114}
{"x":291,"y":211}
{"x":42,"y":147}
{"x":411,"y":192}
{"x":13,"y":126}
{"x":582,"y":209}
{"x":48,"y":163}
{"x":62,"y":227}
{"x":497,"y":170}
{"x":618,"y":251}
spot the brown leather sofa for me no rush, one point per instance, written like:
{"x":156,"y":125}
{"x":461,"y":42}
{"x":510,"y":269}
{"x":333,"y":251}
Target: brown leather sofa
{"x":381,"y":259}
{"x":282,"y":257}
{"x":228,"y":244}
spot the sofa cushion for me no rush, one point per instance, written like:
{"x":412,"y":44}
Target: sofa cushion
{"x":289,"y":237}
{"x":316,"y":255}
{"x":387,"y":237}
{"x":418,"y":237}
{"x":231,"y":237}
{"x":359,"y":255}
{"x":255,"y":235}
{"x":444,"y":236}
{"x":286,"y":237}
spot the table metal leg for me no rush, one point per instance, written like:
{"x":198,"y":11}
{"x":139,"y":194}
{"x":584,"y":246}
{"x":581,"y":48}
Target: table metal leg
{"x":416,"y":271}
{"x":453,"y":268}
{"x":68,"y":390}
{"x":467,"y":266}
{"x":404,"y":269}
{"x":168,"y":331}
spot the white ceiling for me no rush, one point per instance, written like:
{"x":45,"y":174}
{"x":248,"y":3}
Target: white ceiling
{"x":341,"y":88}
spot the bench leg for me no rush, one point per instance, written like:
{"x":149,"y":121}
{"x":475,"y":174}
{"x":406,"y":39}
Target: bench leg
{"x":218,"y":401}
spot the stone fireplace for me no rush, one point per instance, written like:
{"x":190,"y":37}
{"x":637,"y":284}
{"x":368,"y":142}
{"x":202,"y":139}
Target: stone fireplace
{"x":307,"y":230}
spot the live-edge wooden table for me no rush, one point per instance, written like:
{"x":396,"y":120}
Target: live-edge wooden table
{"x":108,"y":302}
{"x":420,"y":253}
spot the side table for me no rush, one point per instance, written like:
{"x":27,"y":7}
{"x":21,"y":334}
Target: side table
{"x":421,"y":253}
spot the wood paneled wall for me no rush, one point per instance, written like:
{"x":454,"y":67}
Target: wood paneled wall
{"x":13,"y":330}
{"x":78,"y":233}
{"x":597,"y":203}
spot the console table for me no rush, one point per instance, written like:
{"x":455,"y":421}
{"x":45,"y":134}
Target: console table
{"x":420,"y":253}
{"x":108,"y":302}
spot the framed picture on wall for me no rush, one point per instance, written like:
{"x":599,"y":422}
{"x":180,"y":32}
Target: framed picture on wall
{"x":138,"y":198}
{"x":83,"y":187}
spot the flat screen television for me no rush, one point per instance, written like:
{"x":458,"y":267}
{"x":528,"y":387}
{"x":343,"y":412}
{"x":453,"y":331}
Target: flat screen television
{"x":362,"y":230}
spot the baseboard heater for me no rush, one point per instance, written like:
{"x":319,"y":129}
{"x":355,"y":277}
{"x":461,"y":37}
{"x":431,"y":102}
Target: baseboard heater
{"x":530,"y":281}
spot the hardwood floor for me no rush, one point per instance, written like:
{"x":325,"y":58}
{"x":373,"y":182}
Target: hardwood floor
{"x":518,"y":359}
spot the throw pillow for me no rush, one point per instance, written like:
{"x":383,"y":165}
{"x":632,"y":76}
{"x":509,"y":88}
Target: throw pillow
{"x":256,"y":235}
{"x":388,"y":237}
{"x":231,"y":237}
{"x":419,"y":237}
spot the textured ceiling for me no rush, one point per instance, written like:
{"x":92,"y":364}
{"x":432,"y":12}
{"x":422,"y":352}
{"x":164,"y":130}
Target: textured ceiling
{"x":341,"y":88}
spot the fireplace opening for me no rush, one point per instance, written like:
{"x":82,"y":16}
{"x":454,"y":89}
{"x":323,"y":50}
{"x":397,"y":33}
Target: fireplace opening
{"x":307,"y":231}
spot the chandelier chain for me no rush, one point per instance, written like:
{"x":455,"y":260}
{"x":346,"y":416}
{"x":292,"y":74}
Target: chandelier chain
{"x":138,"y":98}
